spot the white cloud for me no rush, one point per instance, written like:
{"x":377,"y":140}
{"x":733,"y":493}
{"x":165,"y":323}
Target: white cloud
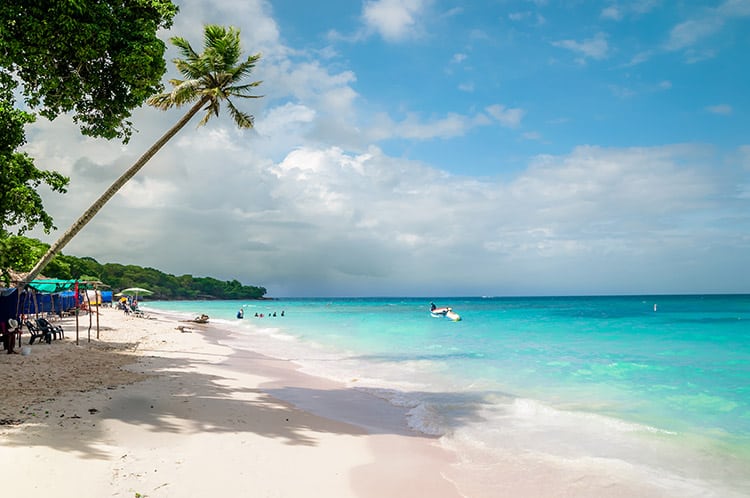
{"x":415,"y":127}
{"x":690,"y":32}
{"x":723,"y":109}
{"x":279,"y":119}
{"x":617,"y":12}
{"x":612,"y":12}
{"x":310,"y":202}
{"x":394,"y":20}
{"x":321,"y":219}
{"x":450,"y":126}
{"x":506,"y":117}
{"x":734,"y":8}
{"x":591,"y":48}
{"x":519,"y":16}
{"x":621,"y":91}
{"x":458,"y":58}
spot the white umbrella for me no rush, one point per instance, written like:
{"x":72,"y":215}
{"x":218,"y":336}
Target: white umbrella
{"x":135,"y":290}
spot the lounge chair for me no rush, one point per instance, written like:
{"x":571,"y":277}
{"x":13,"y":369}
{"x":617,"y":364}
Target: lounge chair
{"x":55,"y":330}
{"x":37,"y":333}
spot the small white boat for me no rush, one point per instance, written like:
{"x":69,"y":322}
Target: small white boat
{"x":444,"y":312}
{"x":439,"y":312}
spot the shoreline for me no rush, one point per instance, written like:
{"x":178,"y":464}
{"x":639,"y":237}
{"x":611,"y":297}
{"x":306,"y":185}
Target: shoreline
{"x":153,"y":410}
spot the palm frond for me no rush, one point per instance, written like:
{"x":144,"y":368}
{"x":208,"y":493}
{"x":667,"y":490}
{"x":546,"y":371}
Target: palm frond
{"x":244,"y":90}
{"x":192,"y":69}
{"x":222,"y":46}
{"x":161,"y":101}
{"x":186,"y":91}
{"x":246,"y":68}
{"x":214,"y":75}
{"x":184,"y":47}
{"x":242,"y":119}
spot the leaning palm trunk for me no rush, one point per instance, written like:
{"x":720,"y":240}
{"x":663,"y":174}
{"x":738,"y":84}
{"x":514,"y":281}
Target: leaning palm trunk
{"x":211,"y":78}
{"x":111,"y":191}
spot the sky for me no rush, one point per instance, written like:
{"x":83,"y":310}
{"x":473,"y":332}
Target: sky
{"x":442,"y":148}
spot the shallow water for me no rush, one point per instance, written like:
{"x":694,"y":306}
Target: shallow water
{"x":653,"y":389}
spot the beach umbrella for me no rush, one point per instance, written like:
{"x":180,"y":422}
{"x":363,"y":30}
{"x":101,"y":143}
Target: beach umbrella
{"x":135,"y":290}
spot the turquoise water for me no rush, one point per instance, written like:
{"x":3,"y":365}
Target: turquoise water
{"x":650,"y":382}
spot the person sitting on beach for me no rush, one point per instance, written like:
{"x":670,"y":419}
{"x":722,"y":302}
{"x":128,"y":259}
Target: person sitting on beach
{"x":9,"y":335}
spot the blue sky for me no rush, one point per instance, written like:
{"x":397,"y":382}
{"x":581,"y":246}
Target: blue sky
{"x":430,"y":147}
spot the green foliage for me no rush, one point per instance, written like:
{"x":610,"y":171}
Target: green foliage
{"x":98,"y":58}
{"x":19,"y":253}
{"x":20,"y":203}
{"x":118,"y":276}
{"x":212,"y":76}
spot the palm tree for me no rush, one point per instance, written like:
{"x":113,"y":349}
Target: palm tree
{"x":210,"y":79}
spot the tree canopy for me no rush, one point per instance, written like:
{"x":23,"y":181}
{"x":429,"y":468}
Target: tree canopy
{"x":97,"y":58}
{"x":20,"y":203}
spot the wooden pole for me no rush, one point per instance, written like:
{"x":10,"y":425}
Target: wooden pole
{"x":78,"y":307}
{"x":97,"y":295}
{"x":88,"y":307}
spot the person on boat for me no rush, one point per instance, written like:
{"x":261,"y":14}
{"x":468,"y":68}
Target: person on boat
{"x":432,"y":306}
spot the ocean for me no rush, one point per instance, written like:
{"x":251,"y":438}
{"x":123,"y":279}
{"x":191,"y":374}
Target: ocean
{"x":652,"y":390}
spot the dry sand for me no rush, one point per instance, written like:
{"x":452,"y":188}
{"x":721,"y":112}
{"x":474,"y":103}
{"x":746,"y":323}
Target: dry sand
{"x":151,"y":410}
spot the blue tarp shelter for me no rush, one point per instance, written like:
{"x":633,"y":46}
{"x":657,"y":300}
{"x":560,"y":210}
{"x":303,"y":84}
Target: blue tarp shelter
{"x":8,"y":304}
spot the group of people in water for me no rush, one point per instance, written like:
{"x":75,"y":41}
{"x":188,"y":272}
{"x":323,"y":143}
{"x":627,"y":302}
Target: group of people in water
{"x":241,"y":314}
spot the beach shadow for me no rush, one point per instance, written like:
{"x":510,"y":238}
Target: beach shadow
{"x":182,"y":400}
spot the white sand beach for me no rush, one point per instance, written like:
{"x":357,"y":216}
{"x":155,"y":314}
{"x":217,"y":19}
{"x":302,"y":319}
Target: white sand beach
{"x":151,"y":410}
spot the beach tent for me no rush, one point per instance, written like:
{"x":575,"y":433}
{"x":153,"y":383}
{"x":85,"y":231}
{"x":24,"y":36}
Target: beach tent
{"x":52,"y":296}
{"x":48,"y":296}
{"x":67,"y":300}
{"x":8,"y":304}
{"x":51,"y":285}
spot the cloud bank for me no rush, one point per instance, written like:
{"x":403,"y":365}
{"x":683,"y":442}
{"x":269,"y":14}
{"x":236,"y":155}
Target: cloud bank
{"x":312,"y":203}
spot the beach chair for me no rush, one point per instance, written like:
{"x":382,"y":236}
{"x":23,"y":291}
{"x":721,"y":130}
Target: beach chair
{"x":37,"y":333}
{"x":55,"y":330}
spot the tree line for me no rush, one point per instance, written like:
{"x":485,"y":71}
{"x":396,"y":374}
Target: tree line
{"x":117,"y":276}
